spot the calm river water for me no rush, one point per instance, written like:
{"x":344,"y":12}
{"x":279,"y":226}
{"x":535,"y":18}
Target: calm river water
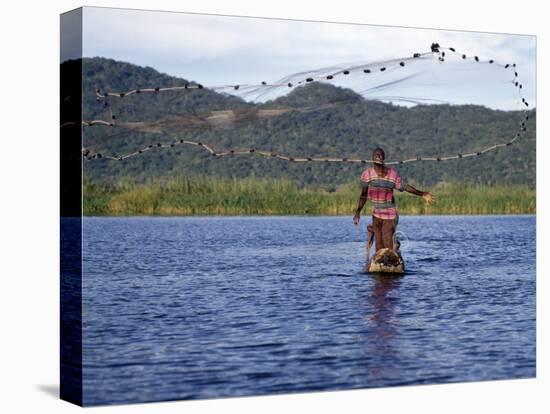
{"x":202,"y":307}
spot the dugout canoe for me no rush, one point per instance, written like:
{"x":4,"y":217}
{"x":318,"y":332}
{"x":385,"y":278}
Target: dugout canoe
{"x":386,"y":261}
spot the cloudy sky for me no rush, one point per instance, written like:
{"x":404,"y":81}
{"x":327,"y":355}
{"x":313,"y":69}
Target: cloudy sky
{"x":216,"y":50}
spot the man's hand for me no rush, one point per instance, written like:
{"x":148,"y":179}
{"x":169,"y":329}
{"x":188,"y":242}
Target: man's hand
{"x":356,"y":218}
{"x":427,"y":197}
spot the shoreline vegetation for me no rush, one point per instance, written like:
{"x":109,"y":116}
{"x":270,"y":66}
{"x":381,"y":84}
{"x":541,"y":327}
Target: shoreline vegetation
{"x":252,"y":196}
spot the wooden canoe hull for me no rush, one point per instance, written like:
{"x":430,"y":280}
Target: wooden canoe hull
{"x":386,"y":261}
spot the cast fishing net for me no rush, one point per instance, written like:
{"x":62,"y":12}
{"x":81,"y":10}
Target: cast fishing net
{"x":283,"y":119}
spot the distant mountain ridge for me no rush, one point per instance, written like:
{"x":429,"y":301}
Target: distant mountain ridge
{"x":353,"y":128}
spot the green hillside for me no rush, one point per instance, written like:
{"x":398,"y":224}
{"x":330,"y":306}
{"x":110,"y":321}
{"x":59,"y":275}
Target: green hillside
{"x":353,"y":128}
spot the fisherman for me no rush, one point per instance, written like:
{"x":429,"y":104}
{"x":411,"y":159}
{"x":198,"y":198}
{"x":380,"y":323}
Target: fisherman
{"x":378,"y":183}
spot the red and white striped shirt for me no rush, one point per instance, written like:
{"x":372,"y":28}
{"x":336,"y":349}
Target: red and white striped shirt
{"x":380,"y":191}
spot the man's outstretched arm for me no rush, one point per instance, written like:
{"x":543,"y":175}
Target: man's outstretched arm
{"x":362,"y":201}
{"x":428,"y":198}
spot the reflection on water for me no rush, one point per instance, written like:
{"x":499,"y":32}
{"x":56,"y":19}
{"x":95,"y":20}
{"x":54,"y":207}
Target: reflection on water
{"x":383,"y":325}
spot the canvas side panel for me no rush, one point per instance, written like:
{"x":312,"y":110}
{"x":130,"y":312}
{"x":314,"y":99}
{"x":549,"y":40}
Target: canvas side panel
{"x":71,"y":207}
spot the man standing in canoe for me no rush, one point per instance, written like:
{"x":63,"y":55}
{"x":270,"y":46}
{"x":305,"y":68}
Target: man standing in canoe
{"x":378,"y":183}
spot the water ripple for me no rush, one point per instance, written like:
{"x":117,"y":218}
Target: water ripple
{"x":187,"y":308}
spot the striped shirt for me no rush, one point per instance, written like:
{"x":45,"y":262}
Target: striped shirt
{"x":380,"y":191}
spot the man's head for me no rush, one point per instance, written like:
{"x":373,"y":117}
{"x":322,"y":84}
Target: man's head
{"x":378,"y":156}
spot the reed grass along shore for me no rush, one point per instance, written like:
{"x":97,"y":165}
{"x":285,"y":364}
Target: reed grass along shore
{"x":209,"y":196}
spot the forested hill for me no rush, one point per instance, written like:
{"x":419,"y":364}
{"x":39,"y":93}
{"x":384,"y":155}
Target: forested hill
{"x":353,"y":128}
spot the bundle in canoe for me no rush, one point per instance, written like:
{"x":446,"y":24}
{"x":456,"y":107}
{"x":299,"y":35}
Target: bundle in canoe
{"x":386,"y":261}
